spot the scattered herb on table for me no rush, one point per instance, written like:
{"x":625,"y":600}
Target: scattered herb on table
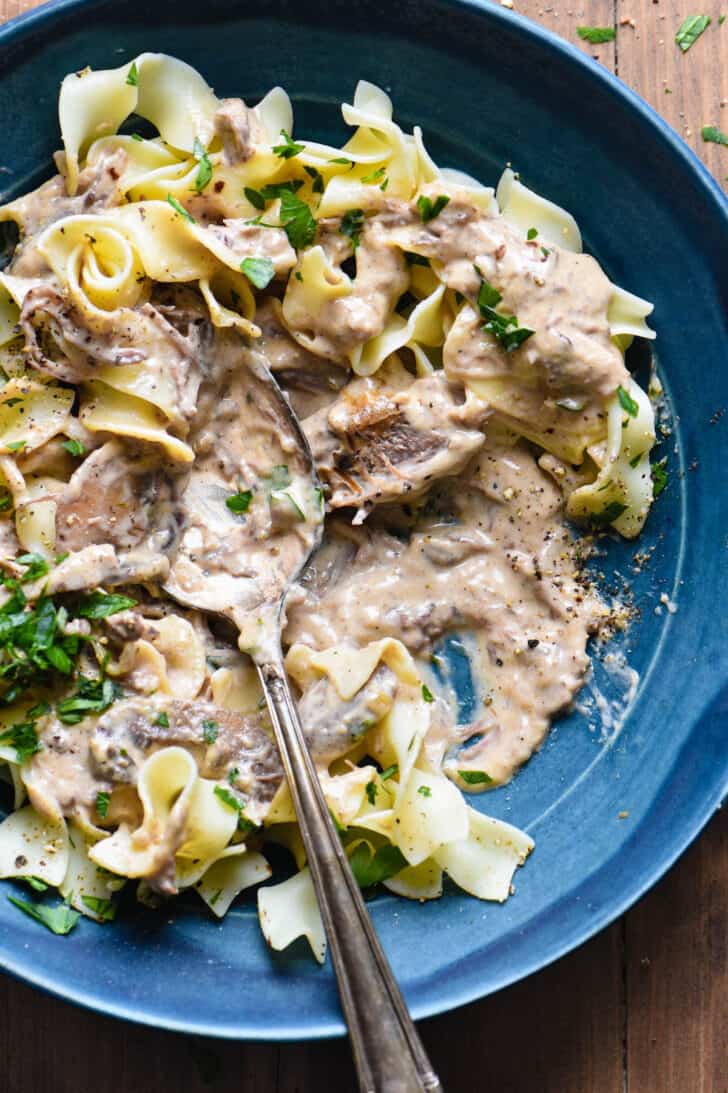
{"x":690,"y":30}
{"x":596,"y":35}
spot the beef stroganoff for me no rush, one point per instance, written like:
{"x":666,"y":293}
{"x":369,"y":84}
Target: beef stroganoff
{"x":457,"y":364}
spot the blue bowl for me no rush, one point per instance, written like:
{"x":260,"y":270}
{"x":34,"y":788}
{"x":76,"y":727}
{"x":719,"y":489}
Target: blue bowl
{"x":488,"y":88}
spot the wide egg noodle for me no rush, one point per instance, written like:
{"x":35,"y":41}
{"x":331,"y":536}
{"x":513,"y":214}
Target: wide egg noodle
{"x":106,"y":410}
{"x":85,"y":885}
{"x":33,"y":846}
{"x":624,"y":477}
{"x":182,"y":816}
{"x":288,"y":911}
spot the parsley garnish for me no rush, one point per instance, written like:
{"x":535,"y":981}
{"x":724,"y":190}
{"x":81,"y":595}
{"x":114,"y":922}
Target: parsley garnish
{"x":180,"y":209}
{"x":239,"y":502}
{"x":24,"y":738}
{"x":137,"y":136}
{"x":288,"y":149}
{"x":16,"y":445}
{"x":210,"y":730}
{"x":372,"y":868}
{"x":36,"y":565}
{"x":132,"y":76}
{"x":6,"y":501}
{"x":91,"y":696}
{"x":690,"y":30}
{"x":627,"y":403}
{"x":317,"y":184}
{"x":371,"y":790}
{"x":597,"y":35}
{"x":343,"y":161}
{"x":430,"y":209}
{"x":104,"y":908}
{"x":375,"y":176}
{"x":74,"y":447}
{"x":531,"y":233}
{"x":352,"y":225}
{"x":102,"y":804}
{"x":259,"y":271}
{"x":427,"y":693}
{"x":32,"y":644}
{"x":60,"y":920}
{"x":389,"y":772}
{"x":228,"y":798}
{"x":424,"y":791}
{"x":609,"y":514}
{"x":162,"y":720}
{"x":233,"y":775}
{"x":504,"y":328}
{"x":36,"y":884}
{"x":255,"y":198}
{"x":100,"y":605}
{"x":710,"y":134}
{"x":204,"y":171}
{"x":297,"y":220}
{"x":276,"y":189}
{"x":659,"y":477}
{"x":475,"y":777}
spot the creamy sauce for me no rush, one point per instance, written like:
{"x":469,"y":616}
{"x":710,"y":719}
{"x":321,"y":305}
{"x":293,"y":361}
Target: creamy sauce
{"x":493,"y":559}
{"x":444,"y":526}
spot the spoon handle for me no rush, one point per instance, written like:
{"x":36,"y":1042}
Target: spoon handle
{"x":388,"y":1053}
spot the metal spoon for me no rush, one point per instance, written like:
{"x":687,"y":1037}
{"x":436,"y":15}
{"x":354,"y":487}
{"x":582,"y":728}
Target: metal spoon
{"x":388,"y":1053}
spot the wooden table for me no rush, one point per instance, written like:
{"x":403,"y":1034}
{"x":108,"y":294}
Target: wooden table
{"x":643,"y":1008}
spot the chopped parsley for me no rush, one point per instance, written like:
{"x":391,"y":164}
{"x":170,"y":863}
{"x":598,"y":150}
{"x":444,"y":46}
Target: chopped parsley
{"x":608,"y":514}
{"x":352,"y":225}
{"x":343,"y":161}
{"x":317,"y":183}
{"x":504,"y":328}
{"x":390,"y":772}
{"x":274,"y":190}
{"x":132,"y":76}
{"x":204,"y":171}
{"x":16,"y":445}
{"x":424,"y":791}
{"x":255,"y":198}
{"x":74,"y":447}
{"x":105,"y":909}
{"x":475,"y":777}
{"x":6,"y":501}
{"x":228,"y":798}
{"x":24,"y":738}
{"x":429,"y":209}
{"x":371,"y":790}
{"x":259,"y":271}
{"x":531,"y":233}
{"x":233,"y":775}
{"x":710,"y":134}
{"x":379,"y":177}
{"x":372,"y":868}
{"x":239,"y":502}
{"x":659,"y":477}
{"x":690,"y":30}
{"x":288,"y":149}
{"x":297,"y":220}
{"x":627,"y":403}
{"x":596,"y":35}
{"x":32,"y":644}
{"x":36,"y":884}
{"x":102,"y":803}
{"x":162,"y":719}
{"x":100,"y":605}
{"x":60,"y":919}
{"x":36,"y":566}
{"x":91,"y":696}
{"x":427,"y":693}
{"x":210,"y":730}
{"x":180,"y":209}
{"x":137,"y":137}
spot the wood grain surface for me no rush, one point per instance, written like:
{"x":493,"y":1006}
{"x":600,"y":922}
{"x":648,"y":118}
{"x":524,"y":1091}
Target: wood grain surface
{"x":643,"y":1007}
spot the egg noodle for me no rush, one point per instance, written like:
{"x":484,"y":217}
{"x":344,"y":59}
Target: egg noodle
{"x":436,"y":329}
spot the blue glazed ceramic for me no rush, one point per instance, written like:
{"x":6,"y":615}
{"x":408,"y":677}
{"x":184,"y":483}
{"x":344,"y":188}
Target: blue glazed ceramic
{"x":488,"y":87}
